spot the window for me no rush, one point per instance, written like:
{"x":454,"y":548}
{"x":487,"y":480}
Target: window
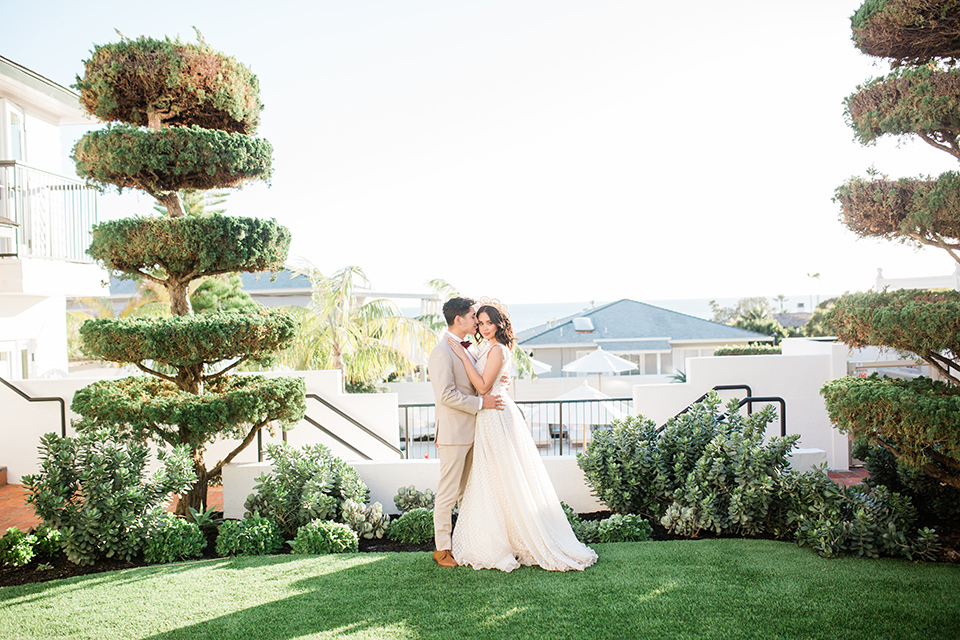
{"x":13,"y":137}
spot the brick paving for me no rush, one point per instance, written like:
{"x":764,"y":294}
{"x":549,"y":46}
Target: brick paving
{"x":15,"y":512}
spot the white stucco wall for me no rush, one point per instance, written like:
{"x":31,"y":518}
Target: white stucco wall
{"x":796,"y":376}
{"x":38,"y":324}
{"x":22,"y":423}
{"x":384,"y":478}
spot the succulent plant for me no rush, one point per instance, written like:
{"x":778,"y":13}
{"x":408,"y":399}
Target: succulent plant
{"x":369,"y":522}
{"x":409,"y":498}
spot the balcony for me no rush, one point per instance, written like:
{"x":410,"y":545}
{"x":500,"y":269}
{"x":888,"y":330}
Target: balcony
{"x":45,"y":228}
{"x":50,"y":216}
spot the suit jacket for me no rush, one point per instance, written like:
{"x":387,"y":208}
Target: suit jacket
{"x":456,"y":399}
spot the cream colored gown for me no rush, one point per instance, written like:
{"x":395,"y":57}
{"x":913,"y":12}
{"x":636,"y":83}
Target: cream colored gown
{"x":510,"y":514}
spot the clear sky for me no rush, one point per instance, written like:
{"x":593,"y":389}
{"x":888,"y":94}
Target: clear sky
{"x":540,"y":150}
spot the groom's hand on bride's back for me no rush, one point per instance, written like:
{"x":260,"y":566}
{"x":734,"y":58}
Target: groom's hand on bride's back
{"x":493,"y":402}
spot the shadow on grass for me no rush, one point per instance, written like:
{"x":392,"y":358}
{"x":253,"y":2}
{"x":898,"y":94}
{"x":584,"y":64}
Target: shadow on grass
{"x":419,"y":599}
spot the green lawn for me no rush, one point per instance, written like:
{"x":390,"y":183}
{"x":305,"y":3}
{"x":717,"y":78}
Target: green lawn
{"x":686,"y":589}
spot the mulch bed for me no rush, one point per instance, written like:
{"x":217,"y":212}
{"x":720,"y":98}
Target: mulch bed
{"x":60,"y":567}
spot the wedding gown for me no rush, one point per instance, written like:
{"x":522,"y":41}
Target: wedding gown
{"x":510,"y":513}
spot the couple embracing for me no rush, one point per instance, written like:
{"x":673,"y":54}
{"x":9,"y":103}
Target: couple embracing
{"x":509,"y":513}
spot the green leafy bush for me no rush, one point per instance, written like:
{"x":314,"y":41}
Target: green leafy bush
{"x":253,"y":536}
{"x":171,"y":539}
{"x":860,"y":520}
{"x":624,"y":528}
{"x":587,"y":531}
{"x":48,"y":543}
{"x":325,"y":536}
{"x":369,"y":522}
{"x":633,"y":469}
{"x":735,"y":483}
{"x":409,"y":498}
{"x":413,"y":527}
{"x":92,"y":489}
{"x":933,"y":500}
{"x":306,"y":484}
{"x":748,"y":350}
{"x":16,"y":547}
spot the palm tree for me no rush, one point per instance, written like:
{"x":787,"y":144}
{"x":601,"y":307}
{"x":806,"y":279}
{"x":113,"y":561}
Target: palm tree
{"x":367,"y":340}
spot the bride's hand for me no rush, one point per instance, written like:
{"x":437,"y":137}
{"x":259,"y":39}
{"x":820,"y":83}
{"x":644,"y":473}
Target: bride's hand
{"x":458,"y":349}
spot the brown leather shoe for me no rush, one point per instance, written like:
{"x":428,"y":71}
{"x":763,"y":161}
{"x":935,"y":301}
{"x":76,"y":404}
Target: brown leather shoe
{"x":444,"y":558}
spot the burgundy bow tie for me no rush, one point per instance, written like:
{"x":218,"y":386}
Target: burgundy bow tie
{"x":465,"y":343}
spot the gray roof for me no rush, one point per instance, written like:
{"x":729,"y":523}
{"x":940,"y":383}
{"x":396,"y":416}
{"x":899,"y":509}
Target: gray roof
{"x":629,"y":319}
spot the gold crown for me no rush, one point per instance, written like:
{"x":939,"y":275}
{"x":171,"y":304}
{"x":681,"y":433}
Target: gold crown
{"x":496,"y":304}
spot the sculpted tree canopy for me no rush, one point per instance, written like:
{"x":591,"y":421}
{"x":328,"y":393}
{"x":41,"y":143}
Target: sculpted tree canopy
{"x":917,"y":421}
{"x":186,"y":114}
{"x":908,"y":31}
{"x":906,"y":210}
{"x":153,"y":83}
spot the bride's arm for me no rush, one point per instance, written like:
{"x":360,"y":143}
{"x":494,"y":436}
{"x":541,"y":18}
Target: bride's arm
{"x":482,"y":383}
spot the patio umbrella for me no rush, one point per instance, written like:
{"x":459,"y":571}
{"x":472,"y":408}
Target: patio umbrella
{"x":599,"y":362}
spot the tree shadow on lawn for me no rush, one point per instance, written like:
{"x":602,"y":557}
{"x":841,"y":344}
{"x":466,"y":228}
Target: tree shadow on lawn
{"x":417,"y":599}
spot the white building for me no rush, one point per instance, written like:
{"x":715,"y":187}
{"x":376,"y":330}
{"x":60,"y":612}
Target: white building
{"x":45,"y":223}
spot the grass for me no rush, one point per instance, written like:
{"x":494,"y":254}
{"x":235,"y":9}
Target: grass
{"x":682,"y":589}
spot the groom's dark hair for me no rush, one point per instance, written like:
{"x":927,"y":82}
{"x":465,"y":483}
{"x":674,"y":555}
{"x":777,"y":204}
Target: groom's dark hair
{"x":456,"y":307}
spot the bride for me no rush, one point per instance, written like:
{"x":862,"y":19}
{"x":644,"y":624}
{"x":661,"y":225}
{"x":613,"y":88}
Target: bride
{"x":510,"y":514}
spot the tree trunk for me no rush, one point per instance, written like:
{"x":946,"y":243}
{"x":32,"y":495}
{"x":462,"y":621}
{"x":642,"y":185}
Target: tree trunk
{"x":196,"y":496}
{"x":171,"y":200}
{"x":179,"y":297}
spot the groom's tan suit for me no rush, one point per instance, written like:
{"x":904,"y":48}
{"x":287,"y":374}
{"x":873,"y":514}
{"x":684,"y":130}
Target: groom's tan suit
{"x":457,"y":404}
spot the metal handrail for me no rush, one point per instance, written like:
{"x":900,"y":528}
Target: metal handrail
{"x":783,"y":409}
{"x":352,"y":421}
{"x":63,"y":405}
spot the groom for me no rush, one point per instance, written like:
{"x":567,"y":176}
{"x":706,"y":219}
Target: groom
{"x":457,"y":405}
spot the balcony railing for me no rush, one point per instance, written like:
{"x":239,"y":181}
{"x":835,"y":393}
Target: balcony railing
{"x":54,"y":214}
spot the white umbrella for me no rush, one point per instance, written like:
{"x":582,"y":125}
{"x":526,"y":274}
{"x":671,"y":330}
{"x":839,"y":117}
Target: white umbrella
{"x":599,"y":362}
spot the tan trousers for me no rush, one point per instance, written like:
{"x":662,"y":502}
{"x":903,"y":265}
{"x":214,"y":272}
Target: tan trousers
{"x":455,"y":463}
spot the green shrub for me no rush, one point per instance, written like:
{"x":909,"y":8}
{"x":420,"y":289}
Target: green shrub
{"x":860,"y":520}
{"x":413,"y":527}
{"x":306,"y":484}
{"x":748,"y":350}
{"x":735,"y":485}
{"x":325,"y":536}
{"x":48,"y":542}
{"x":624,"y":528}
{"x":633,"y":469}
{"x":92,"y":489}
{"x":934,"y":500}
{"x":172,"y":539}
{"x":16,"y":547}
{"x":585,"y":530}
{"x":253,"y":536}
{"x":409,"y":498}
{"x":369,"y":522}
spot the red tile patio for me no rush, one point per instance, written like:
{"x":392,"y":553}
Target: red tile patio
{"x":15,"y":512}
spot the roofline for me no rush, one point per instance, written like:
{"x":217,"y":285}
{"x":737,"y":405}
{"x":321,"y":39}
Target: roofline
{"x":49,"y":89}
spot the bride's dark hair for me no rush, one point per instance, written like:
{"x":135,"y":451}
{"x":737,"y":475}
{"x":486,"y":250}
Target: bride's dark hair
{"x":501,"y":320}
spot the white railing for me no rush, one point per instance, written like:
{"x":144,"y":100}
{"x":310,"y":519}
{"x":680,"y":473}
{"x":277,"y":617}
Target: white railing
{"x":53,"y":214}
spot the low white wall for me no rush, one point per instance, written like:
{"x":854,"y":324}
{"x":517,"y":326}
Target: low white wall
{"x":796,"y":376}
{"x":384,"y":478}
{"x":23,"y":423}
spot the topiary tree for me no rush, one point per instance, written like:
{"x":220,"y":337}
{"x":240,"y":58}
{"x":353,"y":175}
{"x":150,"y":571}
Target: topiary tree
{"x":912,"y":420}
{"x":182,"y":120}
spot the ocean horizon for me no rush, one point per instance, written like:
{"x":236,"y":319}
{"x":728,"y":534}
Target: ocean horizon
{"x":525,"y":316}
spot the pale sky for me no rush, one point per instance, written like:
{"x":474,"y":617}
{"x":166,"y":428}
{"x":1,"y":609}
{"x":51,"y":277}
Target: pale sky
{"x":540,"y":150}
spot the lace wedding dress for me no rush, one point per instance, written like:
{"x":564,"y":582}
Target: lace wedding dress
{"x":510,"y":514}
